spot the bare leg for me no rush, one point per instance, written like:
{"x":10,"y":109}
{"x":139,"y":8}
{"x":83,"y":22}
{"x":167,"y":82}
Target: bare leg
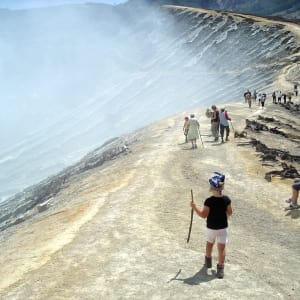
{"x":209,"y":248}
{"x":222,"y":253}
{"x":295,"y":196}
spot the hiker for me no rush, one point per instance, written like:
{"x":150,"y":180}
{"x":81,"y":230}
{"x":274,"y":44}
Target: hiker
{"x":186,"y":128}
{"x":274,"y":97}
{"x":279,"y":95}
{"x":224,"y":125}
{"x":216,"y":209}
{"x":263,"y":100}
{"x":296,"y":89}
{"x":284,"y":98}
{"x":293,"y":201}
{"x":215,"y":121}
{"x":208,"y":113}
{"x":259,"y":98}
{"x":193,"y":131}
{"x":247,"y":95}
{"x":289,"y":95}
{"x":254,"y":96}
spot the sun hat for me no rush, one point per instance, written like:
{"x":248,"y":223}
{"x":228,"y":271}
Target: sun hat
{"x":217,"y":181}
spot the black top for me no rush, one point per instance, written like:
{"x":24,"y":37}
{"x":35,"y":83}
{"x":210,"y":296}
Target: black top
{"x":217,"y":217}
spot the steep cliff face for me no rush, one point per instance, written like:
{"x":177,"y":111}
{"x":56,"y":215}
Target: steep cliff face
{"x":288,"y":9}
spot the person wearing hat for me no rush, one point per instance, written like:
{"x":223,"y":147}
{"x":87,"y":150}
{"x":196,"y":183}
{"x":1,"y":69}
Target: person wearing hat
{"x":293,"y":201}
{"x":216,"y":210}
{"x":193,"y":131}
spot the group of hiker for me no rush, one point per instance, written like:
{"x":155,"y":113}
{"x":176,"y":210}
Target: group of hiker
{"x":255,"y":97}
{"x":282,"y":97}
{"x":277,"y":97}
{"x":217,"y":208}
{"x":219,"y":126}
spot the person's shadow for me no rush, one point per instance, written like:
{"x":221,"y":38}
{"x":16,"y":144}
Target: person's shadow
{"x":294,"y":214}
{"x":196,"y":279}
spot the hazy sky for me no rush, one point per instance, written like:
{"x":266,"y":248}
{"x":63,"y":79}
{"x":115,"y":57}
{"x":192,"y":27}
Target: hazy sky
{"x":20,"y":4}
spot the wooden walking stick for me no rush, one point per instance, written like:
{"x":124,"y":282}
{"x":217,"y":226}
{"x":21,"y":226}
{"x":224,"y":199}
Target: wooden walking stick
{"x":232,"y":129}
{"x":191,"y":223}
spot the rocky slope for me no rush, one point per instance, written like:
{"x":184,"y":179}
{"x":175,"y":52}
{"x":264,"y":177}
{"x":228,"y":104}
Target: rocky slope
{"x":288,"y":9}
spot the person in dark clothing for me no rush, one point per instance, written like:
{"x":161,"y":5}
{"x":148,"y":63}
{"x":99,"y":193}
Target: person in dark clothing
{"x":284,"y":98}
{"x":216,"y":211}
{"x":274,"y":97}
{"x":247,"y":95}
{"x":263,"y":100}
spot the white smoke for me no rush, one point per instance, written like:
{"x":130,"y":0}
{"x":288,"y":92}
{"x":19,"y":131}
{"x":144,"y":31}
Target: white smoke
{"x":72,"y":77}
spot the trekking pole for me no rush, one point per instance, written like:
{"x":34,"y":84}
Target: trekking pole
{"x":200,"y":137}
{"x":191,"y":223}
{"x":232,"y":129}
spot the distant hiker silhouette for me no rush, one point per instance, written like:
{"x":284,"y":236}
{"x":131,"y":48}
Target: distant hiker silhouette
{"x":263,"y":100}
{"x":217,"y":208}
{"x":274,"y":97}
{"x":247,"y":96}
{"x":279,"y":95}
{"x":284,"y":97}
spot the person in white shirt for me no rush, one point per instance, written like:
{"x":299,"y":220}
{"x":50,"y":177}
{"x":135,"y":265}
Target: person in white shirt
{"x":193,"y":131}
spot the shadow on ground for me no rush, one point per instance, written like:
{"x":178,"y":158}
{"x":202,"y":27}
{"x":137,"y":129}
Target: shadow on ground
{"x":198,"y":278}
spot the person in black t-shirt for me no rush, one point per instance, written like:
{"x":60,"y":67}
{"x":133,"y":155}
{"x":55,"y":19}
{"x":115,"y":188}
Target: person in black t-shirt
{"x":216,"y":210}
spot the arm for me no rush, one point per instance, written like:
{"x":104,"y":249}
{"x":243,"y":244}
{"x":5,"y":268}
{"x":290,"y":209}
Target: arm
{"x":203,"y":213}
{"x":229,"y":210}
{"x":227,"y":116}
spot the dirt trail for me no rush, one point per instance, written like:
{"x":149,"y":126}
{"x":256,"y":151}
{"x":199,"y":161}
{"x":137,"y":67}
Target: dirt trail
{"x":120,"y":230}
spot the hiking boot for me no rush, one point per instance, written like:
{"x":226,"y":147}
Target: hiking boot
{"x":196,"y":146}
{"x":220,"y":271}
{"x":227,"y":139}
{"x":208,"y":263}
{"x":293,"y":206}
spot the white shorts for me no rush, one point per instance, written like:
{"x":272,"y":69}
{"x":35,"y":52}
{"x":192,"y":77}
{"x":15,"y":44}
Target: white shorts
{"x":221,"y":235}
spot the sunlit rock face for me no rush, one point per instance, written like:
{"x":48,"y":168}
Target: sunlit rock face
{"x":72,"y":77}
{"x":287,"y":9}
